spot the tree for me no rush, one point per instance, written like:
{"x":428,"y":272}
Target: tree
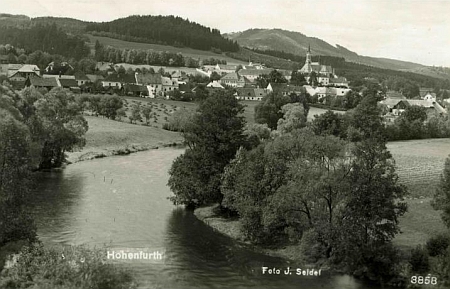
{"x":146,"y":111}
{"x":293,"y":118}
{"x":135,"y":113}
{"x":329,"y":123}
{"x":297,"y":78}
{"x":441,"y":200}
{"x":213,"y":139}
{"x":15,"y":164}
{"x":109,"y":106}
{"x":269,"y":110}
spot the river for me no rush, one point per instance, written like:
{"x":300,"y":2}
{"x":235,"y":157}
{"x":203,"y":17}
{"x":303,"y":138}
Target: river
{"x":122,"y":202}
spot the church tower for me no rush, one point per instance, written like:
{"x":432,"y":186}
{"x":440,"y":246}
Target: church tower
{"x":306,"y":69}
{"x":308,"y":55}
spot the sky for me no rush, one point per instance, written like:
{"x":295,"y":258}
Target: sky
{"x":410,"y":30}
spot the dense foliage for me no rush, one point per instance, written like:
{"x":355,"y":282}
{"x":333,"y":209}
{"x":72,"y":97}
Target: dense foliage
{"x":48,"y":38}
{"x":213,"y":138}
{"x":167,"y":30}
{"x":41,"y":267}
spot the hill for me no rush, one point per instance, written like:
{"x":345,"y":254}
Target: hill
{"x":166,"y":30}
{"x":185,"y":51}
{"x":297,"y":43}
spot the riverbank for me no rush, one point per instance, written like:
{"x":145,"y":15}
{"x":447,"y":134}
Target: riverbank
{"x":231,"y":227}
{"x":107,"y":137}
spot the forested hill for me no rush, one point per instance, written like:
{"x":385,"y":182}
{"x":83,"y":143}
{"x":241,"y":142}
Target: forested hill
{"x":166,"y":30}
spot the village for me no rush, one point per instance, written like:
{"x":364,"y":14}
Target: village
{"x":320,"y":82}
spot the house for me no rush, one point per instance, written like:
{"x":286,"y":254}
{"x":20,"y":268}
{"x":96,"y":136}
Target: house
{"x":153,"y":82}
{"x":250,"y":93}
{"x":95,"y":77}
{"x":69,"y":83}
{"x":215,"y":84}
{"x":285,"y":89}
{"x":118,"y":80}
{"x":431,"y":96}
{"x":168,"y":84}
{"x":81,"y":78}
{"x":136,"y":90}
{"x":233,"y":79}
{"x":395,"y":106}
{"x":104,"y":66}
{"x":224,"y":68}
{"x":252,"y":65}
{"x":180,"y":76}
{"x":338,"y":82}
{"x":24,"y":72}
{"x":424,"y":91}
{"x":38,"y":82}
{"x":252,"y":74}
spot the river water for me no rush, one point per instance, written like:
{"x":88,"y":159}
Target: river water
{"x":121,"y":202}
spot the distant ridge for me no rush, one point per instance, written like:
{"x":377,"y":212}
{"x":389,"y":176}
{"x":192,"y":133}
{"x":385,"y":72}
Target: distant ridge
{"x":297,"y":43}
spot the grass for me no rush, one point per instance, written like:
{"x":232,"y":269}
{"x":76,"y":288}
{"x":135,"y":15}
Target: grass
{"x":108,"y":137}
{"x":419,"y":166}
{"x":189,"y":52}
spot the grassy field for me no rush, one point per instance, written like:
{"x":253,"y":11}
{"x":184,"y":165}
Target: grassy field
{"x":419,"y":166}
{"x":190,"y":52}
{"x":108,"y":137}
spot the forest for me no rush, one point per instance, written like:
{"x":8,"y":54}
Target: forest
{"x":48,"y":38}
{"x":166,"y":30}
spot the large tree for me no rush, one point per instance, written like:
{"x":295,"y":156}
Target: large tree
{"x":213,"y":138}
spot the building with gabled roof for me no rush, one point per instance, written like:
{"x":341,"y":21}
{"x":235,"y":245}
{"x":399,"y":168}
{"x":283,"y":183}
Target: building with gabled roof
{"x":24,"y":72}
{"x":233,"y":79}
{"x":38,"y":82}
{"x":215,"y":84}
{"x":118,"y":80}
{"x":285,"y":89}
{"x":153,"y":82}
{"x":251,"y":93}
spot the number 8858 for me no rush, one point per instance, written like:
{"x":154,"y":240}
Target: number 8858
{"x":420,"y":280}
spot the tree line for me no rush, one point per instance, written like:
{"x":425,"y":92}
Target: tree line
{"x":166,"y":30}
{"x":48,"y":38}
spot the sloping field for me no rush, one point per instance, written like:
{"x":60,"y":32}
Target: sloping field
{"x":420,"y":163}
{"x":108,"y":137}
{"x":194,"y":53}
{"x":419,"y":166}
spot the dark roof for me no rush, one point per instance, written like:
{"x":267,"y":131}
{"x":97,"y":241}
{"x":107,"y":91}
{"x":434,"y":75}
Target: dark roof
{"x":136,"y":88}
{"x":68,"y":82}
{"x":122,"y":78}
{"x":184,"y":87}
{"x":42,"y":82}
{"x":149,"y":78}
{"x":246,"y":92}
{"x":94,"y":77}
{"x":81,"y":76}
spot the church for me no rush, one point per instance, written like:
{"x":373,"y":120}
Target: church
{"x":325,"y":75}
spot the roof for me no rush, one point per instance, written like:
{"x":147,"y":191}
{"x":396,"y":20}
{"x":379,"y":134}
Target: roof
{"x":94,"y":77}
{"x":420,"y":102}
{"x":29,"y":68}
{"x":149,"y":78}
{"x":103,"y":66}
{"x":168,"y":81}
{"x":254,"y":72}
{"x":184,"y":87}
{"x":42,"y":82}
{"x":14,"y":66}
{"x":231,"y":76}
{"x":338,"y":80}
{"x":248,"y":92}
{"x":284,"y":87}
{"x":136,"y":88}
{"x":58,"y":76}
{"x":68,"y":82}
{"x":81,"y":76}
{"x":226,"y":67}
{"x":122,"y":78}
{"x":214,"y":84}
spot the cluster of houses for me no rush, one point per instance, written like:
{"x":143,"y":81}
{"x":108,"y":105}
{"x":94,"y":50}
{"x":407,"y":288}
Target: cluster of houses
{"x":395,"y":104}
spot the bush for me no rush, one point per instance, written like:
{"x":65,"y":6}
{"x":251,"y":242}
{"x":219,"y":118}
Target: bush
{"x":419,"y":260}
{"x":438,"y":245}
{"x":41,"y":267}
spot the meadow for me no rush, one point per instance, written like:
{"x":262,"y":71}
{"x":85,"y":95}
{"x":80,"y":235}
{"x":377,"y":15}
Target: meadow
{"x":419,"y":166}
{"x":188,"y":52}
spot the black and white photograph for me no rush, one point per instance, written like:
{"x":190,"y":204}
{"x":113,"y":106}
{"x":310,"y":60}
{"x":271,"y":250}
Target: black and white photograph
{"x":150,"y":144}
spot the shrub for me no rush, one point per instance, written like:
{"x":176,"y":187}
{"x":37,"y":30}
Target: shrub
{"x":437,"y":245}
{"x":419,"y":260}
{"x":41,"y":267}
